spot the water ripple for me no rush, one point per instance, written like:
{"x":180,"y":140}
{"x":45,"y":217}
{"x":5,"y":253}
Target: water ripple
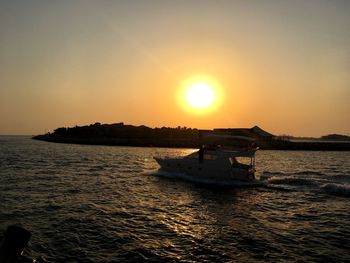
{"x":102,"y":204}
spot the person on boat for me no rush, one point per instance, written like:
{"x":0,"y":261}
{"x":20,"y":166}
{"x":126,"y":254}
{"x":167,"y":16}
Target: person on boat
{"x":251,"y":146}
{"x":201,"y":154}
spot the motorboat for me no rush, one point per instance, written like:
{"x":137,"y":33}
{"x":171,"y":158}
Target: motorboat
{"x":213,"y":164}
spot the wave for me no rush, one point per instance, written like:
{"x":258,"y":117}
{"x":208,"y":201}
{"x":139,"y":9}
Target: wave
{"x":307,"y":172}
{"x":266,"y":174}
{"x":291,"y":180}
{"x":336,"y":189}
{"x":339,"y":178}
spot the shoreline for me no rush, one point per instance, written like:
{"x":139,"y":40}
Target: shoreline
{"x":193,"y":143}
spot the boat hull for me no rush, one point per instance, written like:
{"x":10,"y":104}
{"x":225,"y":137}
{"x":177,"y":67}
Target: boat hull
{"x":205,"y":170}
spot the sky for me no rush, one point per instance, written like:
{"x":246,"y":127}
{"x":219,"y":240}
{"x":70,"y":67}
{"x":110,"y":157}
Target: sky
{"x":282,"y":65}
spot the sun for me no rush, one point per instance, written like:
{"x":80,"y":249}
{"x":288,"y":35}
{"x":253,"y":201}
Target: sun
{"x":200,"y":94}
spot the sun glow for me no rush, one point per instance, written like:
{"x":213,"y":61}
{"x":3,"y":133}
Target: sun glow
{"x":200,"y":94}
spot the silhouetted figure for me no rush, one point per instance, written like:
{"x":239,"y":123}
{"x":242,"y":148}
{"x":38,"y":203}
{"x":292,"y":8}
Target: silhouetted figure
{"x":201,"y":154}
{"x":14,"y":241}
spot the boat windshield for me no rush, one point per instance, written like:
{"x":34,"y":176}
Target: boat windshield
{"x":208,"y":155}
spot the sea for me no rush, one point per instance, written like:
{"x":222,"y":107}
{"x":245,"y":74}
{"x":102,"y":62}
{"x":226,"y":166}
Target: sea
{"x":92,"y":204}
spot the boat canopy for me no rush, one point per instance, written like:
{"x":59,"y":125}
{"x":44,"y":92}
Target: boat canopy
{"x":241,"y":153}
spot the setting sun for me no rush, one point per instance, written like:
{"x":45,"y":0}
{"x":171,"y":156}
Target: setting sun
{"x":200,"y":94}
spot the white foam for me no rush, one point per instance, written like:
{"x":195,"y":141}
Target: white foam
{"x":291,"y":180}
{"x":268,"y":176}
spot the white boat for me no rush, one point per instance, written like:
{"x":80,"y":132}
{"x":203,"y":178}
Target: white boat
{"x":213,"y":164}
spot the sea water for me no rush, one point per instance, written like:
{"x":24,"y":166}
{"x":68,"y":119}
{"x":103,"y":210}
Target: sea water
{"x":108,"y":204}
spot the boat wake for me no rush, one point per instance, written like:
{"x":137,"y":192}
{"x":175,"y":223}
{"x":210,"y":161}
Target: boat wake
{"x":337,"y":189}
{"x":307,"y":181}
{"x":301,"y":181}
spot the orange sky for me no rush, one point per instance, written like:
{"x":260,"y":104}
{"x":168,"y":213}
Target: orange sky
{"x":282,"y":65}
